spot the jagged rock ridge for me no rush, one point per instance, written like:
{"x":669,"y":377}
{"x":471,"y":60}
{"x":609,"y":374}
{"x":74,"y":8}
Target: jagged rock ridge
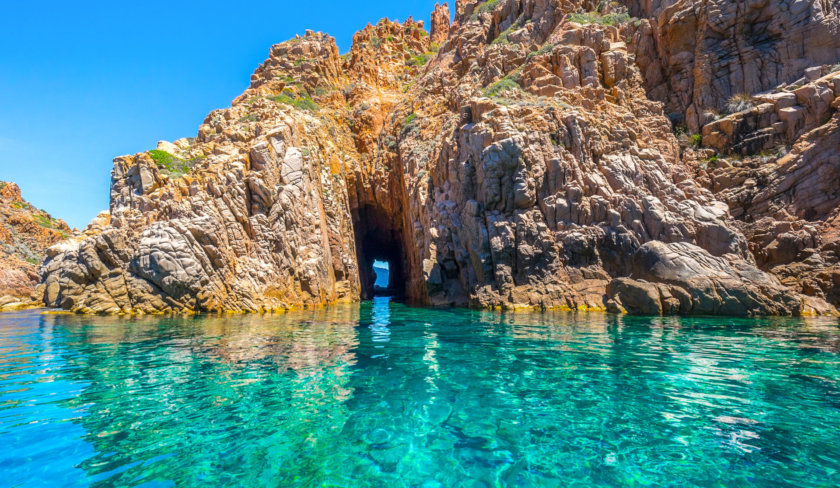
{"x":25,"y":234}
{"x":524,"y":161}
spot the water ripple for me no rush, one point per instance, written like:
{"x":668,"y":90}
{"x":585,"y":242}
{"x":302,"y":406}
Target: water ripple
{"x":385,"y":395}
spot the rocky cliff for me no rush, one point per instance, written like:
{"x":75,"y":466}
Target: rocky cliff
{"x":25,"y":234}
{"x":535,"y":153}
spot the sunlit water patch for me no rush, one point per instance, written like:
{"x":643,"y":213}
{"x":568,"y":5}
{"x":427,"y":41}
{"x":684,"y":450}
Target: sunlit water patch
{"x":380,"y":394}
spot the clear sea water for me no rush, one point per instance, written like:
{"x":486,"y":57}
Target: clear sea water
{"x":383,"y":395}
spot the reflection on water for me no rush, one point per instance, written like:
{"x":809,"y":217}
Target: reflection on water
{"x":380,"y":394}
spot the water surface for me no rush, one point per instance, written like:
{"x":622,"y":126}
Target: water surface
{"x":380,"y":394}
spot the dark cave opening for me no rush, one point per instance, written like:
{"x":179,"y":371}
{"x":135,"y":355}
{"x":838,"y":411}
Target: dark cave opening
{"x":378,"y":239}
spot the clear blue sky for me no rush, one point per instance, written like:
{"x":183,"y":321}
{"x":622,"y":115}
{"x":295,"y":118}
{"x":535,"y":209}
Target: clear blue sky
{"x":83,"y":82}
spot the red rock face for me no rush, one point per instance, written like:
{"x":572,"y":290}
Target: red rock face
{"x":25,"y":234}
{"x":530,"y":162}
{"x":440,"y":23}
{"x":695,"y":55}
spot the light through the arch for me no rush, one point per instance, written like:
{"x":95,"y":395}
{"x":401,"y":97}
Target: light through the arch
{"x":382,"y":271}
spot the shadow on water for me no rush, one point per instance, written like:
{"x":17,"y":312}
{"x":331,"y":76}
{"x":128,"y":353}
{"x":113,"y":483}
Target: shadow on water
{"x":380,"y":393}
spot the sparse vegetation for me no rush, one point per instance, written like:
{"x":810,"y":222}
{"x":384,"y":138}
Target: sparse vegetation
{"x":2,"y":185}
{"x":45,"y":221}
{"x":484,"y":7}
{"x":502,"y":39}
{"x":696,"y":140}
{"x":546,"y":48}
{"x":835,"y":68}
{"x":322,"y":90}
{"x":409,"y":121}
{"x":248,"y":118}
{"x":301,"y":102}
{"x":172,"y":165}
{"x":739,"y":102}
{"x":600,"y":19}
{"x":421,"y":59}
{"x":487,"y":6}
{"x":508,"y":83}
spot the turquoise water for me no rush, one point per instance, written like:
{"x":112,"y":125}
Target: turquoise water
{"x":384,"y":395}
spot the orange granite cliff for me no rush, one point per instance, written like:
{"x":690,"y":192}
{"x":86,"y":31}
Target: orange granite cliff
{"x":647,"y":157}
{"x":25,"y":234}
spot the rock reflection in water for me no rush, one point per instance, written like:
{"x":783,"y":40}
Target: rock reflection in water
{"x":380,"y":394}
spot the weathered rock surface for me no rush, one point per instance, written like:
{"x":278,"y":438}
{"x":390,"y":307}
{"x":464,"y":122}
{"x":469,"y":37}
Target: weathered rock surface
{"x":527,"y":163}
{"x":440,"y":23}
{"x":779,"y":177}
{"x":25,"y":234}
{"x":695,"y":55}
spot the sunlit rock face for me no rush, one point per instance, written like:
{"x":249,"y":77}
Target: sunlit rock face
{"x":521,"y":157}
{"x":25,"y":234}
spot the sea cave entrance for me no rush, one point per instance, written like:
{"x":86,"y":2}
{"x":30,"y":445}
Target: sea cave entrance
{"x":380,"y":255}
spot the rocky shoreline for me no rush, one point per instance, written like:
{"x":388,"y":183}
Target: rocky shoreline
{"x":638,"y":157}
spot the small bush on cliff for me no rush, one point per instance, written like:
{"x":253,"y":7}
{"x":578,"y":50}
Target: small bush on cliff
{"x":505,"y":84}
{"x":835,"y":68}
{"x":421,"y":59}
{"x":172,"y":165}
{"x":409,"y":122}
{"x":487,"y":6}
{"x":484,"y":7}
{"x":597,"y":18}
{"x":301,"y":102}
{"x":739,"y":102}
{"x":45,"y":221}
{"x":546,"y":48}
{"x":696,"y":140}
{"x":503,"y":37}
{"x":390,"y":141}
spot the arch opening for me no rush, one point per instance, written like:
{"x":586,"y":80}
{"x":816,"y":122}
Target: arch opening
{"x":379,"y":241}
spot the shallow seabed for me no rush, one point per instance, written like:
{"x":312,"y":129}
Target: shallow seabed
{"x":380,"y":394}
